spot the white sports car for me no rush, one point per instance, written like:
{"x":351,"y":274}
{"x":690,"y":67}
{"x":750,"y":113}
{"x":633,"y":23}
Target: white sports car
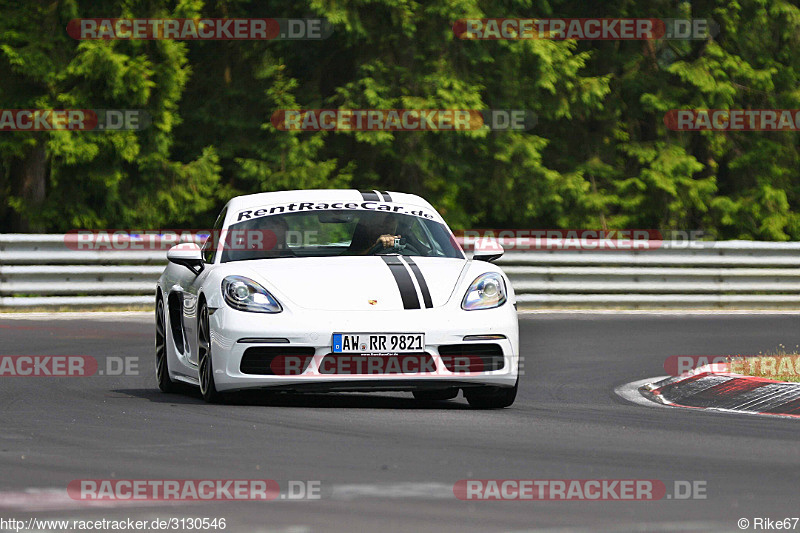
{"x":336,"y":290}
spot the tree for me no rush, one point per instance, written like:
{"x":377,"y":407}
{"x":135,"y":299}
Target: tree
{"x":59,"y":180}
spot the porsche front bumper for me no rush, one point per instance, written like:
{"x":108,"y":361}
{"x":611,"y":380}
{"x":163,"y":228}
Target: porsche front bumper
{"x":234,"y":332}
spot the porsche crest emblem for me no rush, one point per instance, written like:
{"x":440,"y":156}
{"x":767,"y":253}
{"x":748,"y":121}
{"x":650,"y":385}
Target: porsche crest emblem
{"x":372,"y":302}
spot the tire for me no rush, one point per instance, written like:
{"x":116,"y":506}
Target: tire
{"x":162,"y":364}
{"x":491,"y":397}
{"x":205,"y":363}
{"x":435,"y":395}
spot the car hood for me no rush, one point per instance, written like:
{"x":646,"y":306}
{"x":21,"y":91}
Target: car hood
{"x":357,"y":283}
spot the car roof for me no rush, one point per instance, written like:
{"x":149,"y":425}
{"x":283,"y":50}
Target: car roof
{"x":252,"y":201}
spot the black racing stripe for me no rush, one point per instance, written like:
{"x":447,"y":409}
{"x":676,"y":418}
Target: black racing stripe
{"x":403,"y":279}
{"x":370,"y":196}
{"x":386,"y":196}
{"x":423,"y":285}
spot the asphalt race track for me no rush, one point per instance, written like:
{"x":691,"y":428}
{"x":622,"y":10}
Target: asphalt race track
{"x":387,"y":463}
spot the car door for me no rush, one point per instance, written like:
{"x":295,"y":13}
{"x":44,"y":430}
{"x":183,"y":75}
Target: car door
{"x":193,"y":285}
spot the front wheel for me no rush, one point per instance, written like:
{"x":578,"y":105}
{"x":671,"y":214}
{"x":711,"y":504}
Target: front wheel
{"x":162,"y":366}
{"x":206,"y":367}
{"x":490,"y":397}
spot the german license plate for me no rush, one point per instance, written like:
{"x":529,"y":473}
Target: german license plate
{"x":378,"y":342}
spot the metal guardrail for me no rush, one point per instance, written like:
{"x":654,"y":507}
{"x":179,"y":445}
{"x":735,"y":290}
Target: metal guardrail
{"x":41,"y":270}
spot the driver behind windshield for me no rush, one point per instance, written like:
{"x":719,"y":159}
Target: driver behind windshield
{"x":374,"y":232}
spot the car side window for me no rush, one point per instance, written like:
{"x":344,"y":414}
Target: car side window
{"x":210,"y":246}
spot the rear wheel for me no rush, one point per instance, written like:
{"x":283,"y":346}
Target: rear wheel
{"x":435,"y":395}
{"x":491,"y":397}
{"x":162,"y":366}
{"x":206,"y":367}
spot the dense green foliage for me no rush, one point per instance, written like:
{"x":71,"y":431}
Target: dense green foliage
{"x":599,"y":156}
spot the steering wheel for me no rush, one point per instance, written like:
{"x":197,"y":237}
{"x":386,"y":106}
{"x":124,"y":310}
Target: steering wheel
{"x":378,"y":248}
{"x":398,"y":248}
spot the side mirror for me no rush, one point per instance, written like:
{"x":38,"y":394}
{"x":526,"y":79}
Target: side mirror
{"x":487,"y":250}
{"x":187,"y":254}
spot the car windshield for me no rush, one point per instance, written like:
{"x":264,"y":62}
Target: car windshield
{"x":338,"y":233}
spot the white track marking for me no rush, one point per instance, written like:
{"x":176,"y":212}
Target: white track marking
{"x":53,"y":499}
{"x":630,"y":392}
{"x":425,"y":490}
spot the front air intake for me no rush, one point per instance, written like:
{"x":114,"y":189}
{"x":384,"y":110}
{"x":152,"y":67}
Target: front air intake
{"x":276,"y":360}
{"x":484,"y":357}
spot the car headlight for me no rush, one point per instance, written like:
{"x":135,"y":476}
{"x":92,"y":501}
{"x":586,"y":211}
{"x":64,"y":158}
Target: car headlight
{"x":486,"y":292}
{"x":245,"y":294}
